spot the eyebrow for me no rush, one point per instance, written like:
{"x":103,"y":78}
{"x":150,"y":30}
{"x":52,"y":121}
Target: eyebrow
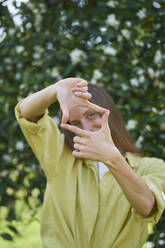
{"x":88,"y":111}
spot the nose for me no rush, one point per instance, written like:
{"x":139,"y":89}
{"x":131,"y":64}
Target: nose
{"x":87,"y":125}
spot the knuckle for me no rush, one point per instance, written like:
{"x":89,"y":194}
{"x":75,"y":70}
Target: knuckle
{"x":82,"y":89}
{"x":75,"y":139}
{"x":74,"y":153}
{"x":75,"y":145}
{"x":76,"y":93}
{"x":85,"y":88}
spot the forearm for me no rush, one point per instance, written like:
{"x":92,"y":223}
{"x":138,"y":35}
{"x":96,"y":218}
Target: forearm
{"x":35,"y":105}
{"x":136,"y":191}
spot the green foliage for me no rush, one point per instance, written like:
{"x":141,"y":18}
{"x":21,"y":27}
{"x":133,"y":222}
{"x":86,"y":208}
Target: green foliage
{"x":118,"y":45}
{"x":25,"y":232}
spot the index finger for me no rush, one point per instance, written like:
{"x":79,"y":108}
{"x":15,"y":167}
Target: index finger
{"x":76,"y":130}
{"x":97,"y":108}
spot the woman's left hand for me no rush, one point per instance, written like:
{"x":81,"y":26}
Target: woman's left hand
{"x":94,"y":145}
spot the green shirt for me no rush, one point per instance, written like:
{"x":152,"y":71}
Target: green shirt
{"x":78,"y":210}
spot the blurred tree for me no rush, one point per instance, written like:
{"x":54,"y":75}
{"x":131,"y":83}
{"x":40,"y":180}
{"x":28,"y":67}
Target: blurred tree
{"x":117,"y":44}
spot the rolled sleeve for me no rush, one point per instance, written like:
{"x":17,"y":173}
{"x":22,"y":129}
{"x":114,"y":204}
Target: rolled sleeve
{"x":154,"y":177}
{"x":44,"y":138}
{"x":28,"y":126}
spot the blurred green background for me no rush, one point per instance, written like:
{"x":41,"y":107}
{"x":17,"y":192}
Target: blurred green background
{"x":119,"y":45}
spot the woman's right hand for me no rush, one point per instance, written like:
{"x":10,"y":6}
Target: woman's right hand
{"x":72,"y":92}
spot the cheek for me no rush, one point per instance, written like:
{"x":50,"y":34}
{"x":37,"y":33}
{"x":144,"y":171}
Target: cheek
{"x":97,"y":121}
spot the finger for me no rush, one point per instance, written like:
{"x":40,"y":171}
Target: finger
{"x":83,"y":95}
{"x":81,"y":89}
{"x":82,"y":83}
{"x":79,"y":154}
{"x":96,"y":108}
{"x":105,"y":118}
{"x":79,"y":147}
{"x":75,"y":130}
{"x":79,"y":140}
{"x":65,"y":117}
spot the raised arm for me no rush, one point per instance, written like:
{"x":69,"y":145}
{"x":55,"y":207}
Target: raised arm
{"x":34,"y":106}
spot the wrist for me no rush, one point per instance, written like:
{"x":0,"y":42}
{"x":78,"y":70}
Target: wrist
{"x":114,"y":158}
{"x":52,"y":92}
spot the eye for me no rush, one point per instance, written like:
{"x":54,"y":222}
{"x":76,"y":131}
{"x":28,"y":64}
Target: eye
{"x":77,"y":124}
{"x":91,"y":115}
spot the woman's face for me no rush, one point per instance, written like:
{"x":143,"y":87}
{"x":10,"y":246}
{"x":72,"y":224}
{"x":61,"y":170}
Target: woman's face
{"x":85,"y":118}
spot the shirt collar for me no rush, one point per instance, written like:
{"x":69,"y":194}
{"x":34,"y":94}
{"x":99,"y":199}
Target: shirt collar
{"x":132,"y":159}
{"x":89,"y":162}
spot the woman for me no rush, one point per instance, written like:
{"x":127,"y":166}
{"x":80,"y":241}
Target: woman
{"x":101,"y":191}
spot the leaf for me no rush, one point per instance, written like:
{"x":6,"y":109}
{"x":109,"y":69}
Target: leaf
{"x":13,"y":229}
{"x":7,"y":236}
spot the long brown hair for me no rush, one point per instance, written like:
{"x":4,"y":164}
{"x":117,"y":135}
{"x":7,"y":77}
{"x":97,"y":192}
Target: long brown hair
{"x":121,"y":137}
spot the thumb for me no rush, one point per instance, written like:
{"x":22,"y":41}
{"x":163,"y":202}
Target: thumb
{"x":105,"y":119}
{"x":96,"y":108}
{"x":65,"y":117}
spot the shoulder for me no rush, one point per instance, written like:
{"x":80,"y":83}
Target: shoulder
{"x":144,"y":163}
